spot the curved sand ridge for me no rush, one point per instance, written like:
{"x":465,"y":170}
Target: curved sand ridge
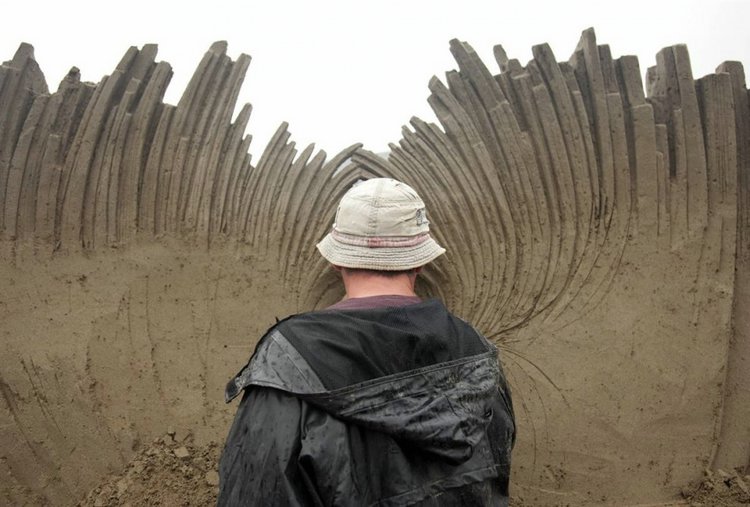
{"x":600,"y":236}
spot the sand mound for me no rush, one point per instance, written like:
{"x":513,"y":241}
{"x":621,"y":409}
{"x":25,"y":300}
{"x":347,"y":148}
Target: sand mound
{"x":720,"y":489}
{"x":171,"y":471}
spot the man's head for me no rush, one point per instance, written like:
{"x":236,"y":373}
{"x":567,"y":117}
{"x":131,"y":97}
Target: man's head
{"x":381,"y":225}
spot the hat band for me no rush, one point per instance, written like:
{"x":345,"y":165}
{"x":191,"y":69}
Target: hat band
{"x":380,"y":241}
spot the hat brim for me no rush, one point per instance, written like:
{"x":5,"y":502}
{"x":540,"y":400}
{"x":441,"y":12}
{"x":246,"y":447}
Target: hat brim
{"x":380,"y":259}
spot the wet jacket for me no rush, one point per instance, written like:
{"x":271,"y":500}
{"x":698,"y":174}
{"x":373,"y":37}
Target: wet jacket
{"x":386,"y":406}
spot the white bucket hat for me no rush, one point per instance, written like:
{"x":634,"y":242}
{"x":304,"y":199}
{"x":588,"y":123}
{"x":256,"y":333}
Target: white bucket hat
{"x":380,"y":224}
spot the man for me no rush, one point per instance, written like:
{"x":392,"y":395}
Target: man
{"x":380,"y":399}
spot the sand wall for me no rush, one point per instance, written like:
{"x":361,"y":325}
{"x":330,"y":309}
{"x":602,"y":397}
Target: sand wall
{"x":597,"y":230}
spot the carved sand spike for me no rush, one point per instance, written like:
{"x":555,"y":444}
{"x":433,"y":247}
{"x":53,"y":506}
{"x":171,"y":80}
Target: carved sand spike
{"x":734,"y":446}
{"x":21,"y":82}
{"x":598,"y":234}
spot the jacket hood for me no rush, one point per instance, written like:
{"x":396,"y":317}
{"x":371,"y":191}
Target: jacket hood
{"x":441,"y":408}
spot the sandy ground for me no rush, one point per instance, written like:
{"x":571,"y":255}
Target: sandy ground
{"x":174,"y":471}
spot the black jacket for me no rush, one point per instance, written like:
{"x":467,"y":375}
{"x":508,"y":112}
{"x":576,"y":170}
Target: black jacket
{"x":388,"y":406}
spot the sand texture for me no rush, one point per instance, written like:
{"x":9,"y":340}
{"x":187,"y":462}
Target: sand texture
{"x":597,"y":226}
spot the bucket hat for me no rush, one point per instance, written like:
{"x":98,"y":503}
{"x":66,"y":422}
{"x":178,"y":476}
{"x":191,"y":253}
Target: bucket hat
{"x":380,"y":224}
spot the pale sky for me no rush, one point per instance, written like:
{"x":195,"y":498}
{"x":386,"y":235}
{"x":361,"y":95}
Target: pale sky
{"x":346,"y":71}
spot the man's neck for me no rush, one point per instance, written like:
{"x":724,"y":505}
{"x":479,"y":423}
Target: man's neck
{"x":360,"y":285}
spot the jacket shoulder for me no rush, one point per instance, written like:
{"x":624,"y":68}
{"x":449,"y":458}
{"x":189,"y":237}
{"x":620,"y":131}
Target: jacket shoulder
{"x":275,"y":364}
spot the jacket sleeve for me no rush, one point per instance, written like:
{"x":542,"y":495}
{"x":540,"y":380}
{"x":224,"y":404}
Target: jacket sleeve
{"x":259,"y":464}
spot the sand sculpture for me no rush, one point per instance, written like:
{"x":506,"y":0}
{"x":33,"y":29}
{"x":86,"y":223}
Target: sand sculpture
{"x":600,"y":235}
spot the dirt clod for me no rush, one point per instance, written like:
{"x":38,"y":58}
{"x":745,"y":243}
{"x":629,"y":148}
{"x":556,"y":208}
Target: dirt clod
{"x":212,"y":478}
{"x":182,"y":452}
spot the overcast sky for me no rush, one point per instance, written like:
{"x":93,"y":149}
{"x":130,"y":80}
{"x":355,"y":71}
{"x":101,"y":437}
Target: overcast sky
{"x":346,"y":71}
